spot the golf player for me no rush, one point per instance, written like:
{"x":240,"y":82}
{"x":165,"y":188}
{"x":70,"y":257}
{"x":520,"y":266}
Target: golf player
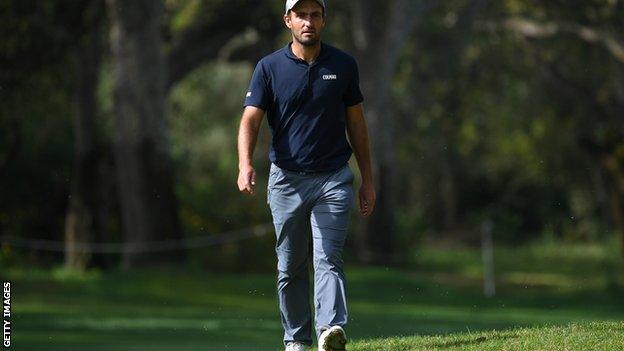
{"x":310,"y":94}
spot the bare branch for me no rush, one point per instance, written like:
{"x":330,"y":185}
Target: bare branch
{"x":534,"y":29}
{"x":222,"y":38}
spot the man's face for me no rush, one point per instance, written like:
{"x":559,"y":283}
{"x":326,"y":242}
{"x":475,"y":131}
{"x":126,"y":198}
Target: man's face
{"x":306,"y":21}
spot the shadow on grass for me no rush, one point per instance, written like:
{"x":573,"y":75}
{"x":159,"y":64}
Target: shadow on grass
{"x":470,"y":341}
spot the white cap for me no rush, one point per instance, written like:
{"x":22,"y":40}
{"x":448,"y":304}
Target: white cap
{"x":292,"y":3}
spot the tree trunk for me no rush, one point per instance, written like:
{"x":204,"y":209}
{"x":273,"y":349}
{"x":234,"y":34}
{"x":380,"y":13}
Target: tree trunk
{"x":450,"y":167}
{"x":619,"y":189}
{"x":81,"y":220}
{"x":144,"y":169}
{"x":381,"y":29}
{"x":448,"y":190}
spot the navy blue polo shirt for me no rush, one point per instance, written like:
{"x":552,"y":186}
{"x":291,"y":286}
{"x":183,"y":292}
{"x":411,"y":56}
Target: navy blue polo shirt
{"x":306,"y":107}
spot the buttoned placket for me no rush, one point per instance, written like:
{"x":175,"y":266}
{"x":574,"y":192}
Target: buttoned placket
{"x":309,"y":67}
{"x":302,"y":94}
{"x":307,"y":87}
{"x":307,"y":90}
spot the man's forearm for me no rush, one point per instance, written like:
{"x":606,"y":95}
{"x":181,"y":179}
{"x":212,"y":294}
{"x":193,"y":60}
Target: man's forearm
{"x":247,"y":136}
{"x":358,"y":135}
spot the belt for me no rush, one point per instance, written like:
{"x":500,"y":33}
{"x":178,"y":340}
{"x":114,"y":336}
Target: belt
{"x":305,"y":173}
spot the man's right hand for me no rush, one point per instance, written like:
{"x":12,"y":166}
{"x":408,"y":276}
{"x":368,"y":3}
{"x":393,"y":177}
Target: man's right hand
{"x":246,"y":180}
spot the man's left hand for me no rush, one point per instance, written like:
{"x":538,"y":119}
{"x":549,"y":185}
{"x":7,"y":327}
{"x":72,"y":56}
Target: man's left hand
{"x":367,"y":199}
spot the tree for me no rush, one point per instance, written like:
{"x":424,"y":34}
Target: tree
{"x":599,"y":103}
{"x":232,"y":35}
{"x":144,"y":74}
{"x":143,"y":164}
{"x":380,"y":30}
{"x":82,"y":218}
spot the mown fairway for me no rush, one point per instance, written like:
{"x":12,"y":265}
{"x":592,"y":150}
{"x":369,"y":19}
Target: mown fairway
{"x":184,"y":310}
{"x":575,"y":336}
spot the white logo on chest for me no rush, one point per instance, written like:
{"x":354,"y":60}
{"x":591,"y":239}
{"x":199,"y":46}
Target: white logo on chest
{"x":329,"y":77}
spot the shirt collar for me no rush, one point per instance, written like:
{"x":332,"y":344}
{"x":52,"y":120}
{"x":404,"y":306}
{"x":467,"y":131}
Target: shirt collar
{"x":322,"y":55}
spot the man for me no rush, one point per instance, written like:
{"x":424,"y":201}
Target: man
{"x":310,"y":94}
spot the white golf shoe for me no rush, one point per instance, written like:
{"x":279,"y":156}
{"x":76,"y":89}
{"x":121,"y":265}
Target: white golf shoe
{"x":295,"y":346}
{"x":333,"y":339}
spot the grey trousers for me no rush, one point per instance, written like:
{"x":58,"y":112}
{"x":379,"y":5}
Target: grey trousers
{"x":310,"y":206}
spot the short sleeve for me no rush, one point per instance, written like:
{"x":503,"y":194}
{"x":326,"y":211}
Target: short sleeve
{"x":259,"y":91}
{"x":353,"y":95}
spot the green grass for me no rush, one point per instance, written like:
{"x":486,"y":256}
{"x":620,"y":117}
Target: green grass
{"x":437,"y":305}
{"x":574,"y":336}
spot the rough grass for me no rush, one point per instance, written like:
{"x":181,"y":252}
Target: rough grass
{"x":436,"y":304}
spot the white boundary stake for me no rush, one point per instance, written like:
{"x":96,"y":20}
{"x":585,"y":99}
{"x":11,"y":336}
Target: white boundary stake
{"x":487,"y":255}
